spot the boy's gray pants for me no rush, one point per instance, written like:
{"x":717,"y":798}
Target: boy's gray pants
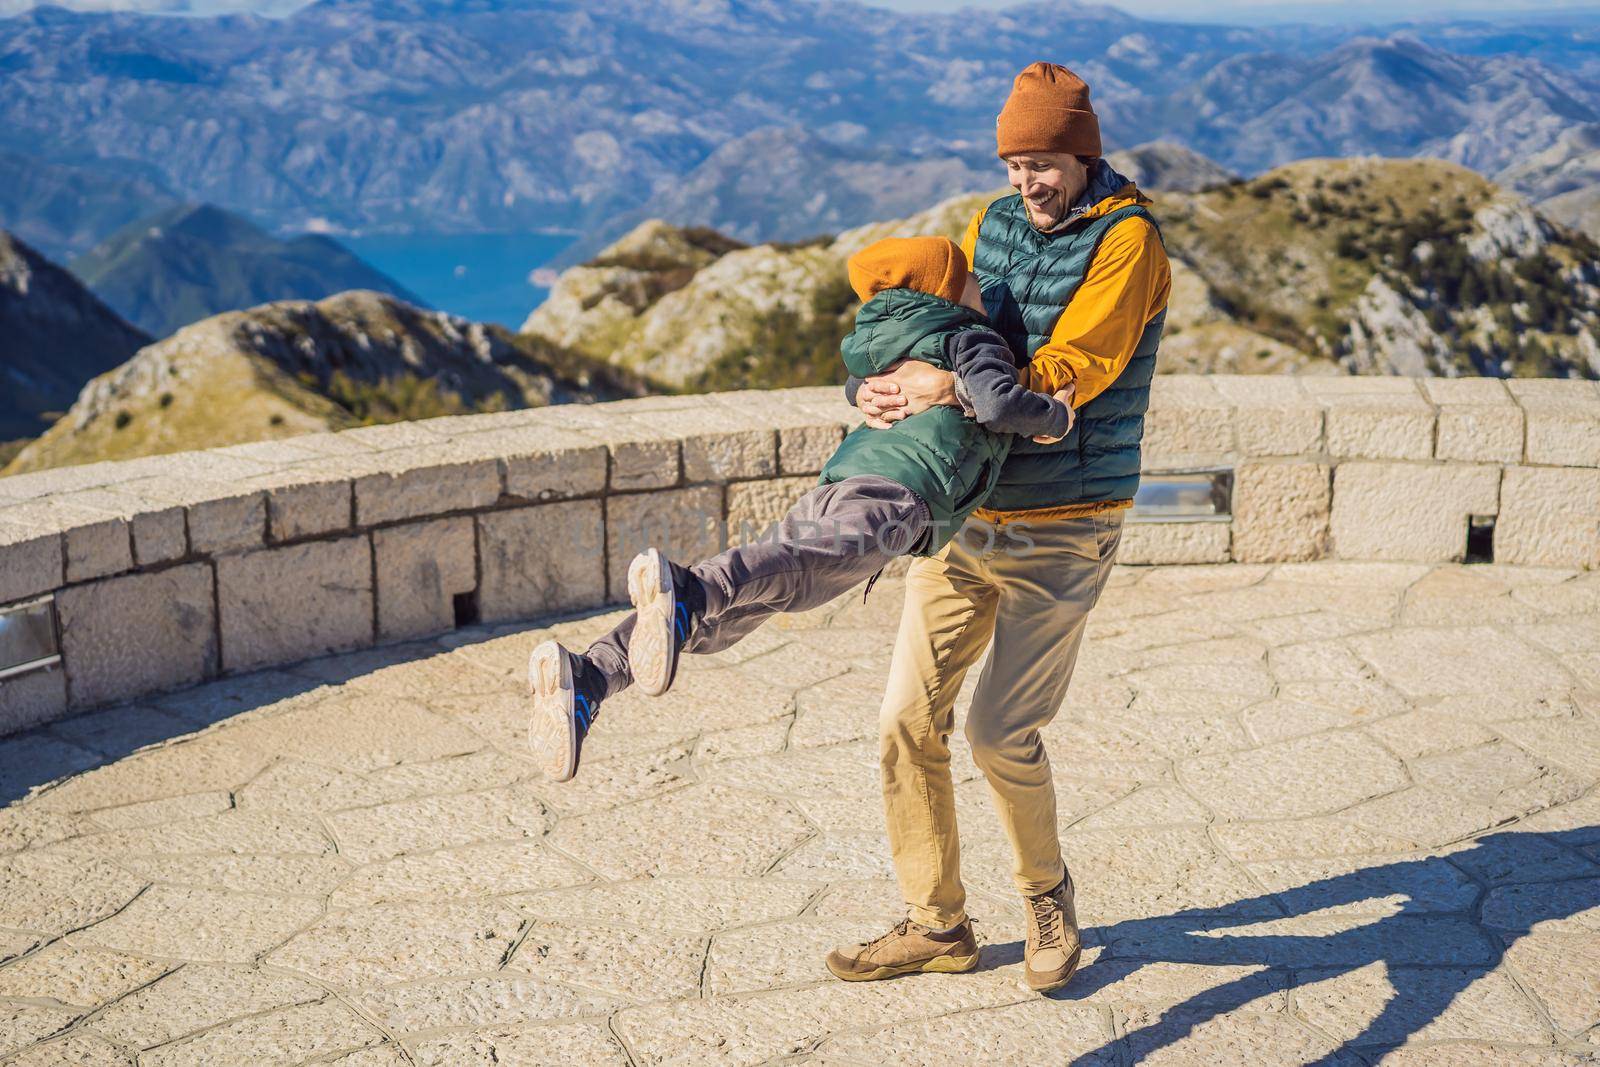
{"x":835,"y":537}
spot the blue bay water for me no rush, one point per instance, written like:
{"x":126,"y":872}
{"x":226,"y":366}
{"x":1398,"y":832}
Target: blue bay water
{"x":480,"y":276}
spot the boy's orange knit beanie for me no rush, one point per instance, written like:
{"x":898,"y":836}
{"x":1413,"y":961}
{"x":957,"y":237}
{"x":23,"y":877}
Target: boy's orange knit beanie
{"x":928,"y":264}
{"x":1048,"y":111}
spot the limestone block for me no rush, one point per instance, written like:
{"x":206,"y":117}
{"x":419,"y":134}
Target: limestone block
{"x":280,"y":605}
{"x":686,"y":524}
{"x":392,"y":436}
{"x":139,"y":633}
{"x":1280,"y":512}
{"x":1374,"y":418}
{"x":98,"y":542}
{"x":33,"y":698}
{"x":1402,"y":511}
{"x":547,"y":464}
{"x":541,"y":560}
{"x":1549,"y":516}
{"x":31,"y":559}
{"x":221,"y":516}
{"x":420,"y":569}
{"x":1188,"y":419}
{"x":160,"y":534}
{"x":1478,"y":420}
{"x":754,"y":506}
{"x":643,"y":464}
{"x":1174,"y":542}
{"x":804,"y":449}
{"x":1271,"y":416}
{"x":1563,"y":420}
{"x":307,"y":501}
{"x":282,"y":452}
{"x":419,"y":482}
{"x":720,"y":444}
{"x":642,"y":455}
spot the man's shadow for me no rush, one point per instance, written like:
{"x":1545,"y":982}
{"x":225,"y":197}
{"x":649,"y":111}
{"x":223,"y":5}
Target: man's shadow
{"x":1450,"y":921}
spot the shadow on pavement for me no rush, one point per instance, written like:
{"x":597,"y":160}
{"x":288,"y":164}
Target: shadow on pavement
{"x":1458,"y":918}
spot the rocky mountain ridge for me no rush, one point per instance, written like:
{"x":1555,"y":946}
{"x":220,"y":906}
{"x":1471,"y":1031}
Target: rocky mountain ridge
{"x":295,"y":367}
{"x":1323,"y":266}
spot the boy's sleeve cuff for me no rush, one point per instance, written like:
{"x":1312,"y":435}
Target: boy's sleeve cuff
{"x":964,"y":398}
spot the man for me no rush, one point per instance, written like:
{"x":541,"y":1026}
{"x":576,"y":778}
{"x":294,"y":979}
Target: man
{"x":1075,"y":278}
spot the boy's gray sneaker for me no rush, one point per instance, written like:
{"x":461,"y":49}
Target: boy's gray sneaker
{"x":566,"y":696}
{"x":667,"y":602}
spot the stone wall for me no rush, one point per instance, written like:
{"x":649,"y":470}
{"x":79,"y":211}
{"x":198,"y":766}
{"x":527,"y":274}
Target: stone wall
{"x":174,"y":569}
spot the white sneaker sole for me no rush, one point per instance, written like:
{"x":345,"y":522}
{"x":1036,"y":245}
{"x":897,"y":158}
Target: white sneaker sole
{"x":649,"y":649}
{"x":553,"y":728}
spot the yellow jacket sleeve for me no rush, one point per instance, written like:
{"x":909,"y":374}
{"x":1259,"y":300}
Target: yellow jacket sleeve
{"x":1127,"y":284}
{"x":969,"y":241}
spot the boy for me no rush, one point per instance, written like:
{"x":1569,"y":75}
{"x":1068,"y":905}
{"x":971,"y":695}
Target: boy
{"x":884,"y":493}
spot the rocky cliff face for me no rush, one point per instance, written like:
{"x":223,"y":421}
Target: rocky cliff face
{"x":1325,"y":266}
{"x":1396,"y":267}
{"x":54,"y":336}
{"x":298,"y":367}
{"x":1564,"y":179}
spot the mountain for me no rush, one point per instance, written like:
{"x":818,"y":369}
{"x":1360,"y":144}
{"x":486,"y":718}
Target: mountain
{"x":195,"y":260}
{"x":297,"y":367}
{"x":521,"y":115}
{"x":788,"y":184}
{"x":1368,"y":266}
{"x":63,"y":209}
{"x":1394,"y":97}
{"x":1565,"y":178}
{"x":54,"y":336}
{"x":1170,"y":167}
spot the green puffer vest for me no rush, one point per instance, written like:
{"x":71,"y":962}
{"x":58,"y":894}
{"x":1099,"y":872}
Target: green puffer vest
{"x":1028,"y":277}
{"x":941,"y":455}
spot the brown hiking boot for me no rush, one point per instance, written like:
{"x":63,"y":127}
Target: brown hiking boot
{"x":1054,"y":946}
{"x":909,"y":948}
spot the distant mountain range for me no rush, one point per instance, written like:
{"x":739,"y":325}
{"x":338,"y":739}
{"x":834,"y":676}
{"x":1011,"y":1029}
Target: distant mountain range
{"x":517,"y":115}
{"x":192,"y":261}
{"x":54,"y":336}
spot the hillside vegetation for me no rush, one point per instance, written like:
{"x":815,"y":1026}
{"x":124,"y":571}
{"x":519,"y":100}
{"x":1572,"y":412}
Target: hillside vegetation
{"x":298,"y":367}
{"x":1322,"y":266}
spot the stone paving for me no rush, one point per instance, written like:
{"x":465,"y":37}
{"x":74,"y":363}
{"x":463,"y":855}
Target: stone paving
{"x":1315,"y":811}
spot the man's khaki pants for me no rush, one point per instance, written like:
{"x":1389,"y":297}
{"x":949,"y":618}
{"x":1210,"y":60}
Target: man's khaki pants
{"x":1029,"y":590}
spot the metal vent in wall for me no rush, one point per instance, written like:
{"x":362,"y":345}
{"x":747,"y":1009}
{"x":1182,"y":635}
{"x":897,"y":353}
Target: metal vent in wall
{"x":1200,"y":495}
{"x":28,"y":637}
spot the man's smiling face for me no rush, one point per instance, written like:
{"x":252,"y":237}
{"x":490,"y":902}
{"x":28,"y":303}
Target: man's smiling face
{"x":1049,"y":182}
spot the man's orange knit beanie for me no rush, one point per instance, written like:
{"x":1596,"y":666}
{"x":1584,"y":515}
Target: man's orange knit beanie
{"x":928,"y":264}
{"x":1048,"y":111}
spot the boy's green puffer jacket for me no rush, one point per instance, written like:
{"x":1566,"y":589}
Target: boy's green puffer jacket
{"x":940,"y":454}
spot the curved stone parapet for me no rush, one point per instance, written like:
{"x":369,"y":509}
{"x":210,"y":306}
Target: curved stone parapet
{"x":173,"y":569}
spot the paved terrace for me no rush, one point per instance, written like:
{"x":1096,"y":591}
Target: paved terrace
{"x":1315,"y":810}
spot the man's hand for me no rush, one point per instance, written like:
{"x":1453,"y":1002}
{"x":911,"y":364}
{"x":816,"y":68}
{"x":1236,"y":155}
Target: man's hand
{"x":1065,"y":396}
{"x":914,"y":386}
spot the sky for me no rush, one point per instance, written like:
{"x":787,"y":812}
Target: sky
{"x":1228,"y":11}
